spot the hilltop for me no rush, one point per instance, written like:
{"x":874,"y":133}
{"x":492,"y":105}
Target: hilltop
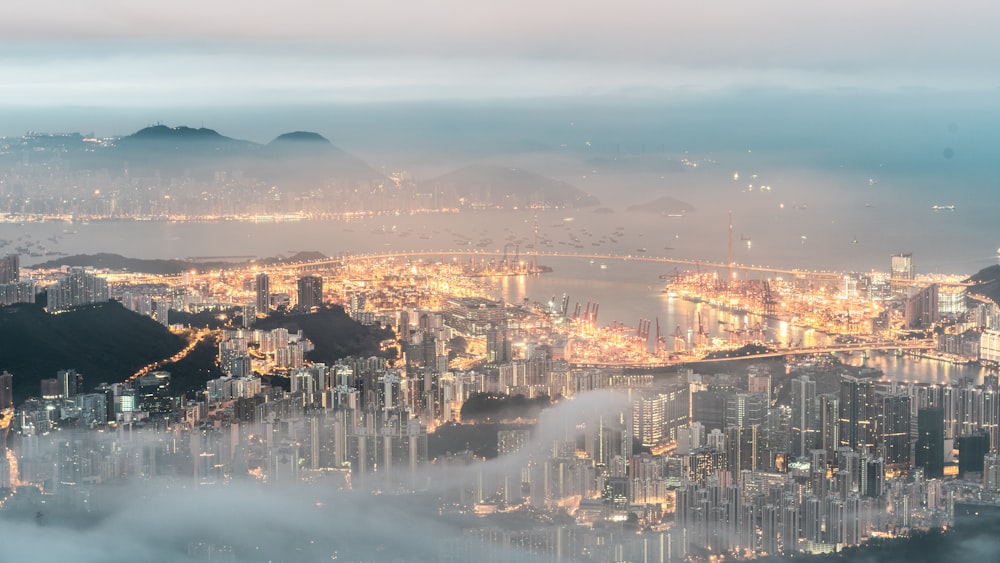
{"x":104,"y":342}
{"x":294,"y":160}
{"x":301,"y":137}
{"x":987,"y":283}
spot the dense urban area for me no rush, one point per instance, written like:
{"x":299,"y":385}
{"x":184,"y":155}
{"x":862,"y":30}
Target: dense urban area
{"x":681,"y":445}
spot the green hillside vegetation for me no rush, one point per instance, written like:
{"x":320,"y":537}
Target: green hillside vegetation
{"x":104,"y":342}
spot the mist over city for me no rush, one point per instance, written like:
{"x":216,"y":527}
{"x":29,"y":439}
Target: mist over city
{"x":512,"y":282}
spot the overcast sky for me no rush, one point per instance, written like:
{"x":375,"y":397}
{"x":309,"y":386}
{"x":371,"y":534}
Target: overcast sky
{"x":116,"y":53}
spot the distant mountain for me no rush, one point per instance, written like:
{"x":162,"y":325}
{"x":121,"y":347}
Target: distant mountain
{"x":186,"y":140}
{"x":306,"y":159}
{"x":104,"y":342}
{"x":161,"y":132}
{"x":300,"y":137}
{"x":664,"y":205}
{"x":299,"y":160}
{"x":500,"y":186}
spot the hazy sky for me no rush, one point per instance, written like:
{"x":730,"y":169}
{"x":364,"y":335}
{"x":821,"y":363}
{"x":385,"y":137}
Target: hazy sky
{"x":115,"y":53}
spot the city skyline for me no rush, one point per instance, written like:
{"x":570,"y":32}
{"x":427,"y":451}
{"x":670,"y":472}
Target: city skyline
{"x":559,"y":282}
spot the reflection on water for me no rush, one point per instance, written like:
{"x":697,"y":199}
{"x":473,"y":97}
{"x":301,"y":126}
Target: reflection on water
{"x":629,"y":291}
{"x":919,"y":370}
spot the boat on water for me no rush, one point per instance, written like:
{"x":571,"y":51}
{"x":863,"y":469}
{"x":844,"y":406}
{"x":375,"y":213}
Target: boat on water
{"x":943,"y":207}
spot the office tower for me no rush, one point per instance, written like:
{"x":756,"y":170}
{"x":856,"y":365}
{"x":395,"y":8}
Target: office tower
{"x":742,"y":449}
{"x":902,"y":267}
{"x":497,"y":346}
{"x":804,"y":434}
{"x":70,"y":383}
{"x":262,"y":284}
{"x":790,"y":524}
{"x":404,"y":326}
{"x":6,"y":390}
{"x":930,"y":442}
{"x":829,"y":424}
{"x":873,"y":478}
{"x":10,"y":269}
{"x":893,"y":429}
{"x":310,"y":292}
{"x":971,"y":452}
{"x":857,"y":411}
{"x":647,"y":420}
{"x":745,"y":409}
{"x":921,"y":310}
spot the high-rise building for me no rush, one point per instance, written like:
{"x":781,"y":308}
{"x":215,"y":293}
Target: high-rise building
{"x":310,"y":292}
{"x":857,"y":413}
{"x":893,"y":429}
{"x":262,"y":285}
{"x":6,"y":390}
{"x":930,"y":442}
{"x":829,"y":423}
{"x":804,"y":427}
{"x":902,"y":267}
{"x":971,"y":452}
{"x":10,"y":269}
{"x":163,"y":312}
{"x":79,"y":287}
{"x":647,"y":419}
{"x":70,"y":383}
{"x":921,"y":310}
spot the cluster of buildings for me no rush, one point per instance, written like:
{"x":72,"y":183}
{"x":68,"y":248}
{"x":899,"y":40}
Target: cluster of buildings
{"x":687,"y":466}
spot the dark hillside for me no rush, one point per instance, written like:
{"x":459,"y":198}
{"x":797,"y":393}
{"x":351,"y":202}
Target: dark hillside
{"x":104,"y":342}
{"x":332,"y":331}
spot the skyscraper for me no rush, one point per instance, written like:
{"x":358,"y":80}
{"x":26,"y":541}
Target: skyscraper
{"x":6,"y":390}
{"x":902,"y":267}
{"x":70,"y":383}
{"x":857,"y":412}
{"x":930,"y":442}
{"x":10,"y":269}
{"x":971,"y":453}
{"x":262,"y":284}
{"x":804,"y":431}
{"x":894,"y":429}
{"x":310,"y":292}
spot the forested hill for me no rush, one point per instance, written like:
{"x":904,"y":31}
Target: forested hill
{"x":104,"y":342}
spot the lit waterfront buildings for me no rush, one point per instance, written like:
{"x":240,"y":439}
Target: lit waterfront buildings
{"x":729,"y":461}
